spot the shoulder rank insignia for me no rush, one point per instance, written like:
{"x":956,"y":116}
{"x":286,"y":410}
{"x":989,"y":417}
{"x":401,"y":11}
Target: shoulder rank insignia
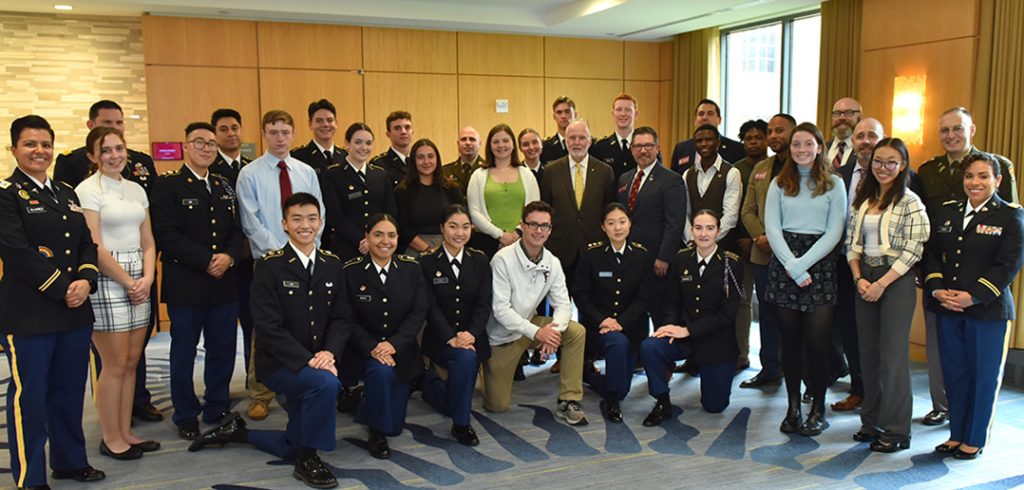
{"x":471,"y":249}
{"x":732,"y":256}
{"x":1012,"y":205}
{"x":594,"y":245}
{"x":169,"y":173}
{"x":328,"y":253}
{"x":273,"y":253}
{"x":67,"y":152}
{"x":4,"y":184}
{"x":375,"y":166}
{"x":951,"y":201}
{"x":353,"y":261}
{"x":685,"y":250}
{"x":638,"y":246}
{"x":406,"y":258}
{"x":69,"y":186}
{"x":333,"y":165}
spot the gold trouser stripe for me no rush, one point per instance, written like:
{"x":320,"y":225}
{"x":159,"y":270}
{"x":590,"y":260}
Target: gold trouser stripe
{"x":19,"y":427}
{"x":88,"y":266}
{"x":94,"y":375}
{"x":999,"y":380}
{"x":49,"y":281}
{"x":933,"y":275}
{"x":986,"y":283}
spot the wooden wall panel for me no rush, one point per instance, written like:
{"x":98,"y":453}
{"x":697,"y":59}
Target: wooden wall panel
{"x":178,"y":95}
{"x":668,"y":63}
{"x":431,"y":99}
{"x":583,"y":58}
{"x":500,"y":54}
{"x":293,"y":90}
{"x":287,"y":45}
{"x":198,"y":42}
{"x":947,"y":19}
{"x":642,"y":61}
{"x":409,"y":51}
{"x":593,"y":101}
{"x":666,"y":130}
{"x":648,"y":98}
{"x":478,"y":93}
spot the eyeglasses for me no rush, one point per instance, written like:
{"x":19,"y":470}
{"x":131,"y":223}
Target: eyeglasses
{"x":958,"y":129}
{"x":645,"y":146}
{"x":890,"y":166}
{"x":534,"y":226}
{"x":847,"y":113}
{"x":200,"y":143}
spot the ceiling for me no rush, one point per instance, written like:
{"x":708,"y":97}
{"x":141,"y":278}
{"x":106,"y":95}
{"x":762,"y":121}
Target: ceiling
{"x":615,"y":19}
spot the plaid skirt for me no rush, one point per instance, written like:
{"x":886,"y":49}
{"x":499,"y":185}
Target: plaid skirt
{"x":114,"y":311}
{"x":784,"y":292}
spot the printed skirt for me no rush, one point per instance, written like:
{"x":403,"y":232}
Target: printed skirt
{"x":113,"y":309}
{"x":784,"y":292}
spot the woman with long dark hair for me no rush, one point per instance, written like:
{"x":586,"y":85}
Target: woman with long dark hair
{"x":422,"y":197}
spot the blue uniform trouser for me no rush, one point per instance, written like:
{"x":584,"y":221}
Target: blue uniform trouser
{"x":768,"y":324}
{"x":453,"y":397}
{"x":973,"y":354}
{"x":216,"y":323}
{"x":310,"y":399}
{"x":243,"y":276}
{"x":384,"y":400}
{"x":44,"y":401}
{"x":619,"y":360}
{"x":715,"y":379}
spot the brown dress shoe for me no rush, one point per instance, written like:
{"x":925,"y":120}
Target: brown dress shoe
{"x":258,"y":410}
{"x":557,"y":367}
{"x":851,"y":402}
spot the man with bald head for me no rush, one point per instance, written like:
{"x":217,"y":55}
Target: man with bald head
{"x":469,"y":158}
{"x":845,"y":116}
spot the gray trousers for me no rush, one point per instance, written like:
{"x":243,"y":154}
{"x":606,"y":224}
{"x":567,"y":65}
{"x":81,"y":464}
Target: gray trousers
{"x":883,"y":333}
{"x":936,"y":385}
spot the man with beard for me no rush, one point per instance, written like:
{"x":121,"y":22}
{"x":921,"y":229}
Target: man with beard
{"x":845,"y":116}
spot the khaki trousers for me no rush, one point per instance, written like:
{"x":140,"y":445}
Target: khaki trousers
{"x":257,"y":391}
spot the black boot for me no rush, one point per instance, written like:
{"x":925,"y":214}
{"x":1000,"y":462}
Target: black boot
{"x":794,"y":415}
{"x":815,"y":422}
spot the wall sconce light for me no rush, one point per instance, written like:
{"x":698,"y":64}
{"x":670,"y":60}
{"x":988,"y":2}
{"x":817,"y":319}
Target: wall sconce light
{"x":908,"y":108}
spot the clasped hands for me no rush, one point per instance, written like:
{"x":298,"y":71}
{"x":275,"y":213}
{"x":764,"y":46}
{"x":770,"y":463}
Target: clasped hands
{"x":218,"y":265}
{"x":384,"y":353}
{"x":323,"y":360}
{"x":672,"y":332}
{"x":463,"y":340}
{"x":953,"y":299}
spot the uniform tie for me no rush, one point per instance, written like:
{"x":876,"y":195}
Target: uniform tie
{"x":327,"y":156}
{"x":383,"y":276}
{"x":284,"y":181}
{"x":701,"y":264}
{"x":578,"y":185}
{"x":838,"y":160}
{"x":309,"y":269}
{"x":456,"y":267}
{"x":618,"y":257}
{"x":633,"y":191}
{"x":625,"y":145}
{"x":49,"y":192}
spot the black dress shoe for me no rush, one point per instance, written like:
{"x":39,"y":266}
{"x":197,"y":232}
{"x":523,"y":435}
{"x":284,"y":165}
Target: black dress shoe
{"x":863,"y":436}
{"x":131,"y":453}
{"x":378,"y":443}
{"x":947,"y":448}
{"x":961,"y":454}
{"x":761,"y":379}
{"x":465,"y":435}
{"x":935,"y":417}
{"x":615,"y":411}
{"x":147,"y":413}
{"x":535,"y":359}
{"x":314,"y":473}
{"x":880,"y":446}
{"x":814,"y":425}
{"x":188,"y":430}
{"x":86,"y":474}
{"x":520,"y":374}
{"x":348,"y":400}
{"x":792,"y":422}
{"x":147,"y":446}
{"x":232,"y":429}
{"x":660,"y":413}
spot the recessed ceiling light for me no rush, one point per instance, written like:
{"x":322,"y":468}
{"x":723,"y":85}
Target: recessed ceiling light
{"x":60,"y":6}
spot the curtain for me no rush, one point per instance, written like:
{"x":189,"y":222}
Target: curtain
{"x":999,"y":103}
{"x":839,"y":69}
{"x":697,"y":71}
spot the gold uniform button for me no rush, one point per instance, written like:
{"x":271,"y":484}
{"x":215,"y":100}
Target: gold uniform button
{"x":211,"y":209}
{"x":291,"y":293}
{"x":385,"y":313}
{"x":64,"y":217}
{"x":958,"y":251}
{"x":614,"y":315}
{"x":385,"y":300}
{"x":616,"y":303}
{"x":67,"y":252}
{"x":696,"y":310}
{"x":385,"y":325}
{"x":310,"y":308}
{"x":457,"y":312}
{"x":698,"y":286}
{"x":312,"y":322}
{"x":314,"y":337}
{"x":311,"y":292}
{"x":698,"y":298}
{"x":366,"y":203}
{"x":618,"y":279}
{"x":69,"y":269}
{"x":366,"y":215}
{"x":959,"y":238}
{"x":213,"y":221}
{"x":67,"y":235}
{"x":456,"y":300}
{"x":213,"y":247}
{"x":215,"y":233}
{"x":457,"y":287}
{"x":458,"y":324}
{"x":957,"y":265}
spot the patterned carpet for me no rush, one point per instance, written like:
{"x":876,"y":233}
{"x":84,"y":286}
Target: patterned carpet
{"x":528,"y":447}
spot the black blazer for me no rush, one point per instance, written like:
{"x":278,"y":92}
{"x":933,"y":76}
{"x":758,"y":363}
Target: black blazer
{"x":191,"y":224}
{"x":45,"y":246}
{"x":606,"y":288}
{"x":685,"y":153}
{"x":295,"y":316}
{"x":707,"y":304}
{"x":350,"y":202}
{"x":609,"y":150}
{"x":220,"y":166}
{"x":552,"y":149}
{"x":392,"y":164}
{"x":660,"y":211}
{"x":574,"y":227}
{"x":395,"y":312}
{"x":456,"y":305}
{"x":312,"y":156}
{"x":73,"y":167}
{"x":982,"y":260}
{"x":846,"y":172}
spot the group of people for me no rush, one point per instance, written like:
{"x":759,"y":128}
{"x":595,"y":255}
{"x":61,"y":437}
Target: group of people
{"x":358,"y":280}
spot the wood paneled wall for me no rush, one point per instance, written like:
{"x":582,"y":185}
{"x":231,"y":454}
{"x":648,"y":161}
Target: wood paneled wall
{"x":447,"y":80}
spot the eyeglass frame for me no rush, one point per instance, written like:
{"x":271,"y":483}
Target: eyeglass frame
{"x":198,"y":146}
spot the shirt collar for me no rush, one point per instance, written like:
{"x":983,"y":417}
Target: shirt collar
{"x":620,"y":250}
{"x":228,"y":160}
{"x":400,"y":154}
{"x":41,"y":185}
{"x":305,"y":259}
{"x":968,"y":208}
{"x":379,"y":268}
{"x":584,"y":162}
{"x":322,"y":149}
{"x":707,"y":260}
{"x":526,"y":255}
{"x":202,"y":179}
{"x":847,"y":141}
{"x":714,"y":167}
{"x":457,"y":257}
{"x":628,"y":138}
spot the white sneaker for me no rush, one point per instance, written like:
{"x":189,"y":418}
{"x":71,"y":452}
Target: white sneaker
{"x":572,"y":412}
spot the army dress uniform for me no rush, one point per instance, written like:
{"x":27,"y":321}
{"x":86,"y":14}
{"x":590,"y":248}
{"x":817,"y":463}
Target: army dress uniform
{"x":459,"y":297}
{"x":192,"y":220}
{"x":707,"y":305}
{"x":615,"y":152}
{"x":45,"y":245}
{"x":350,"y":200}
{"x":614,"y":284}
{"x":981,"y":258}
{"x":942,"y":181}
{"x":393,"y":309}
{"x":461,"y":172}
{"x":229,"y":170}
{"x":297,"y":314}
{"x":393,"y":164}
{"x":552,"y":149}
{"x":320,"y":161}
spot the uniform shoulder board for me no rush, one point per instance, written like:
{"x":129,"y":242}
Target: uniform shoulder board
{"x":433,"y":250}
{"x":328,"y":253}
{"x":949,"y":202}
{"x":170,"y":173}
{"x":596,"y":244}
{"x":638,"y":246}
{"x":374,"y":166}
{"x":406,"y":258}
{"x":1012,"y":205}
{"x":379,"y":156}
{"x":69,"y":186}
{"x":4,"y":184}
{"x":273,"y":253}
{"x":685,"y":250}
{"x":473,"y":250}
{"x":333,"y":165}
{"x":67,"y":152}
{"x":732,"y":256}
{"x":353,"y":261}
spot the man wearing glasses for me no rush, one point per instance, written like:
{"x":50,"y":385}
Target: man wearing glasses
{"x":524,"y":274}
{"x":942,"y":180}
{"x":199,"y":235}
{"x":845,"y":116}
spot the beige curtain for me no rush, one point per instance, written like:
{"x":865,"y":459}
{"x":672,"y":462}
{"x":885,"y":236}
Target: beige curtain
{"x":839,"y":70}
{"x":999,"y":102}
{"x":698,"y":61}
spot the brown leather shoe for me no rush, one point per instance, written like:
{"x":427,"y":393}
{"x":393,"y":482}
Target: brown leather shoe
{"x":557,"y":367}
{"x":258,"y":410}
{"x":851,"y":402}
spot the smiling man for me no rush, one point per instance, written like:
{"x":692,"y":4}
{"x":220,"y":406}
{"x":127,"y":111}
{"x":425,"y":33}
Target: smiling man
{"x":321,"y":152}
{"x":846,"y":113}
{"x":469,"y":158}
{"x":614,"y":148}
{"x":400,"y":132}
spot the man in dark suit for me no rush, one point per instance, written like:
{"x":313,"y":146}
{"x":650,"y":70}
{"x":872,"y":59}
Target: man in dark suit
{"x":846,"y":113}
{"x":563,"y":111}
{"x":578,"y":187}
{"x":400,"y":132}
{"x":469,"y":158}
{"x":229,"y":161}
{"x":199,"y":235}
{"x":656,"y":200}
{"x":321,"y":152}
{"x":72,"y":168}
{"x":614,"y":148}
{"x":685,"y":153}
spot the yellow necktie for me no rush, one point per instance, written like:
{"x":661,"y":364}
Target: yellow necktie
{"x":578,"y":184}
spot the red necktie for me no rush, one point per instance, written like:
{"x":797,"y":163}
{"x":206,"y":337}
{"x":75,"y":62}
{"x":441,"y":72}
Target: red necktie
{"x":838,"y":160}
{"x":633,"y":191}
{"x":285,"y":181}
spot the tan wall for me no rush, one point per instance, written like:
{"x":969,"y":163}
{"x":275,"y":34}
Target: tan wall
{"x":445,"y":79}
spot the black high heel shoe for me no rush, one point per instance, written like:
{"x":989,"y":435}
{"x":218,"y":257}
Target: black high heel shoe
{"x":890,"y":447}
{"x":947,"y":448}
{"x":961,"y":454}
{"x":132,"y":452}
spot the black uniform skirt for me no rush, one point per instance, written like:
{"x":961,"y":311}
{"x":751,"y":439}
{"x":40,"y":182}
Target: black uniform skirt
{"x":784,"y":292}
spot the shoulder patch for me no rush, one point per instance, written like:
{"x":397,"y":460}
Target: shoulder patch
{"x":406,"y":258}
{"x":353,"y":261}
{"x":4,"y":184}
{"x":638,"y":245}
{"x":596,"y":244}
{"x":732,"y":256}
{"x":949,"y":202}
{"x":328,"y":253}
{"x":272,"y":254}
